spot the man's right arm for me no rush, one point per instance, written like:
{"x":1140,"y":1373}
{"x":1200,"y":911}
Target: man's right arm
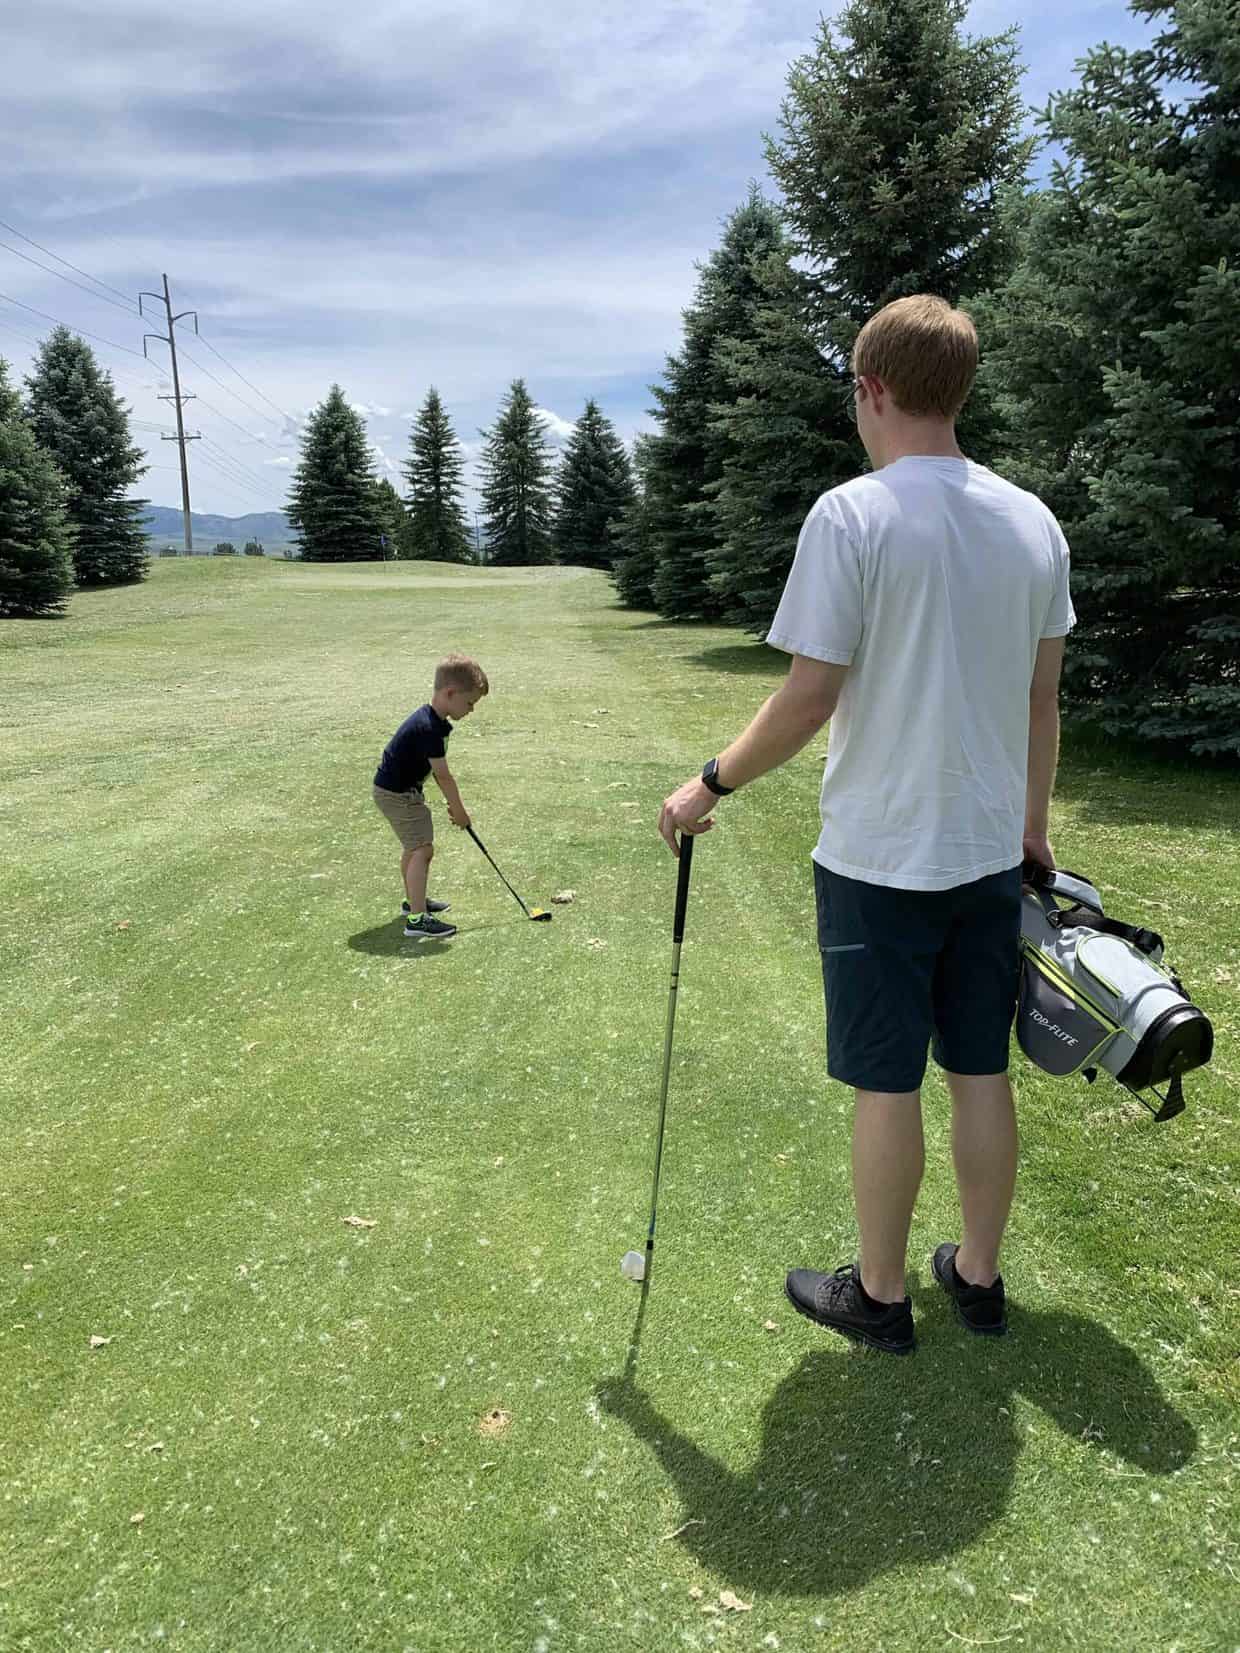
{"x":1043,"y":748}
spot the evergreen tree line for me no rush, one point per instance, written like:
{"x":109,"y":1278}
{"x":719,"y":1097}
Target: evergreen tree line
{"x":534,"y":511}
{"x":66,"y":462}
{"x":1108,"y":304}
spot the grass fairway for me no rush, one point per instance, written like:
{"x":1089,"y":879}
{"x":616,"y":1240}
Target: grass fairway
{"x":304,"y":1434}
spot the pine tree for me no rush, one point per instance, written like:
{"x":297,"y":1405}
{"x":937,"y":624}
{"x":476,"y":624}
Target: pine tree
{"x":332,"y":499}
{"x":516,"y":483}
{"x":1118,"y":352}
{"x":80,"y":421}
{"x":594,"y":488}
{"x":685,"y":458}
{"x":901,"y":142}
{"x":435,"y":472}
{"x":36,"y":567}
{"x":899,"y":158}
{"x":393,"y":519}
{"x":632,"y":567}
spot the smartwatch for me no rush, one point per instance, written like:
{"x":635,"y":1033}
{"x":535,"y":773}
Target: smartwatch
{"x":710,"y":774}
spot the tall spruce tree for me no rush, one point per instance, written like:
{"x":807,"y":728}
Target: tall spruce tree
{"x":1119,"y":355}
{"x":36,"y":566}
{"x":684,"y":461}
{"x":393,"y":521}
{"x":80,"y":421}
{"x":594,"y":488}
{"x":516,"y":483}
{"x":632,"y":568}
{"x":435,"y":473}
{"x":899,"y":155}
{"x":332,"y":502}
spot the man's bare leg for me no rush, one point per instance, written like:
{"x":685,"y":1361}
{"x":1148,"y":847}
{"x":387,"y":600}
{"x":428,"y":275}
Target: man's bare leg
{"x":415,"y":866}
{"x":984,"y":1148}
{"x":888,"y":1158}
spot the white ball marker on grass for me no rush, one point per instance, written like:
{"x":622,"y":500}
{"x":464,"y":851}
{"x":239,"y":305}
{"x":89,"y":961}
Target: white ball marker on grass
{"x":633,"y":1265}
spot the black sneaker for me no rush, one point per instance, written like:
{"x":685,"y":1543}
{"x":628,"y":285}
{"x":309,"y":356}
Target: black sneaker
{"x":431,"y":906}
{"x":427,"y":928}
{"x":835,"y":1301}
{"x":982,"y":1309}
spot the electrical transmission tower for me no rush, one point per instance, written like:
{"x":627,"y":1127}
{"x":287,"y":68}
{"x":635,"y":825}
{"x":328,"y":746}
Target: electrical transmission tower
{"x":170,"y":339}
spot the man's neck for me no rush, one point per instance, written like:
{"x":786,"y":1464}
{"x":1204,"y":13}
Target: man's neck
{"x":918,"y":439}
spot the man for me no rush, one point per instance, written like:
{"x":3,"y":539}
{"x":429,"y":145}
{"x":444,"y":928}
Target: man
{"x":925,"y":613}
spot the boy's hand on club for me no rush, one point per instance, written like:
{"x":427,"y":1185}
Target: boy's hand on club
{"x":459,"y":816}
{"x":687,"y":810}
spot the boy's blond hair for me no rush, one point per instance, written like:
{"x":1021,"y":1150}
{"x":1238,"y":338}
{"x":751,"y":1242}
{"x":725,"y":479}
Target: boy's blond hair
{"x":458,"y":671}
{"x":924,"y":352}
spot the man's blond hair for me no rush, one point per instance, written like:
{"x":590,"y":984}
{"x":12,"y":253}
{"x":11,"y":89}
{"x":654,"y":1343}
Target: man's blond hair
{"x":924,"y":352}
{"x":458,"y":671}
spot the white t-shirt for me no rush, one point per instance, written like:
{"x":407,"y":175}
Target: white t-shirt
{"x":933,"y":580}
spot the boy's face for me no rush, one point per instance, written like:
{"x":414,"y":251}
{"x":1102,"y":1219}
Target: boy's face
{"x":459,"y":703}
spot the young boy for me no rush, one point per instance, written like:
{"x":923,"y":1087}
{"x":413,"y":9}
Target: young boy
{"x":417,"y":750}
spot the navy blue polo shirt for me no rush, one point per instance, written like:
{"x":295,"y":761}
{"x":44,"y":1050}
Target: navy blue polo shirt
{"x":406,"y":760}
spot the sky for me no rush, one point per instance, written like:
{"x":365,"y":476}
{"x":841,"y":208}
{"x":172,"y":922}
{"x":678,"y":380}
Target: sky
{"x":432,"y":192}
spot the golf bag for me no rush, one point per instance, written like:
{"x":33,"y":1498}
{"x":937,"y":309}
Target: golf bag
{"x":1094,"y":993}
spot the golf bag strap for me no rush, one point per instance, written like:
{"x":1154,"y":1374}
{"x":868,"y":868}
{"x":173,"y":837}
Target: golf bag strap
{"x":1067,"y":918}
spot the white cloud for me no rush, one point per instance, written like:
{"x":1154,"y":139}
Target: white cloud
{"x":559,"y":430}
{"x":284,"y":460}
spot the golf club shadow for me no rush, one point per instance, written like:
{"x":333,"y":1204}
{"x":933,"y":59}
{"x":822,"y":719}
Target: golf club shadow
{"x":866,"y":1462}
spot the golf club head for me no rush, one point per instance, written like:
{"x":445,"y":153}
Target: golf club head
{"x":633,"y":1265}
{"x":540,"y":916}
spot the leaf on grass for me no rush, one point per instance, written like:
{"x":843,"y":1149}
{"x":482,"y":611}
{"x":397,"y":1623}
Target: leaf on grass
{"x":494,"y":1423}
{"x":1025,"y":1601}
{"x":564,"y":897}
{"x":253,"y":1045}
{"x":770,"y":1325}
{"x":124,"y":924}
{"x":695,"y":1592}
{"x":137,"y":1519}
{"x":98,"y":1342}
{"x":498,"y":1161}
{"x":734,"y":1604}
{"x":156,"y":1446}
{"x":359,"y":1222}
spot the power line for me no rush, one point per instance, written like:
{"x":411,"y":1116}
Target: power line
{"x":98,"y":338}
{"x":283,"y":414}
{"x":61,"y":276}
{"x":227,"y":389}
{"x":30,"y":240}
{"x":241,"y":469}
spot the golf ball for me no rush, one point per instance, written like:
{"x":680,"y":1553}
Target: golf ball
{"x":633,"y":1265}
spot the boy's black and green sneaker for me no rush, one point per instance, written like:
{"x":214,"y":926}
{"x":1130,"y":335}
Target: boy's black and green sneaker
{"x":426,"y":928}
{"x":431,"y":906}
{"x":838,"y":1302}
{"x":982,"y":1309}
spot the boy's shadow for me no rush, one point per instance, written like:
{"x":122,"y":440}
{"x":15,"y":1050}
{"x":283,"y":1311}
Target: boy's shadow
{"x":388,"y":940}
{"x":867,"y":1462}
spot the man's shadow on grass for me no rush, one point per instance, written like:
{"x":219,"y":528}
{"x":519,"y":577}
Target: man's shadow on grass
{"x":868,"y":1462}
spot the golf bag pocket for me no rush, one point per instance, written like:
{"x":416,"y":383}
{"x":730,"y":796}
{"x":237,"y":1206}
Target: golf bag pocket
{"x":1056,"y":1028}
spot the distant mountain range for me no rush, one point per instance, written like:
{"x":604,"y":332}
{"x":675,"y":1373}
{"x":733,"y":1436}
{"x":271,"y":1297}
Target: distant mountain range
{"x":164,"y":524}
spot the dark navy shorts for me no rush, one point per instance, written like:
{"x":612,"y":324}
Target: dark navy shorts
{"x":904,"y":969}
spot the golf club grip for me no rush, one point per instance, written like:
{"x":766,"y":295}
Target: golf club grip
{"x":682,"y":887}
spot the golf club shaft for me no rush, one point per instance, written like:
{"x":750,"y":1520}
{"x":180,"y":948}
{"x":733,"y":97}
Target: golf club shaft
{"x":502,"y":879}
{"x":678,"y":935}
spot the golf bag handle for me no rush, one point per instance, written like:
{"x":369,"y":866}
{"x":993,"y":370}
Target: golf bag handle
{"x":682,"y":887}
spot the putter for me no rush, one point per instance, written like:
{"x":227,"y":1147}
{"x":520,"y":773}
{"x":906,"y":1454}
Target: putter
{"x":633,"y":1265}
{"x":539,"y":915}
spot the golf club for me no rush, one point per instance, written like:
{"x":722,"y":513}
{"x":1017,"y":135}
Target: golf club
{"x":633,"y":1265}
{"x":539,"y":914}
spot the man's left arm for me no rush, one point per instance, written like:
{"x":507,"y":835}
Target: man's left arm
{"x":789,"y":719}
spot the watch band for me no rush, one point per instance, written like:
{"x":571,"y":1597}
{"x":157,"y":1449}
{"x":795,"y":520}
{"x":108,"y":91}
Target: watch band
{"x":710,"y":774}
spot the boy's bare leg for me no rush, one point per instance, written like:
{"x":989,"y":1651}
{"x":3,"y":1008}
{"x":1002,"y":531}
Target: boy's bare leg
{"x":888,"y":1157}
{"x":414,"y":866}
{"x":984,"y":1148}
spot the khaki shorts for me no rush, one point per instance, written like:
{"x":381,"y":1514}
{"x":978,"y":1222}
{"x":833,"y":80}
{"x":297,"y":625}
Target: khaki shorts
{"x":408,"y":815}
